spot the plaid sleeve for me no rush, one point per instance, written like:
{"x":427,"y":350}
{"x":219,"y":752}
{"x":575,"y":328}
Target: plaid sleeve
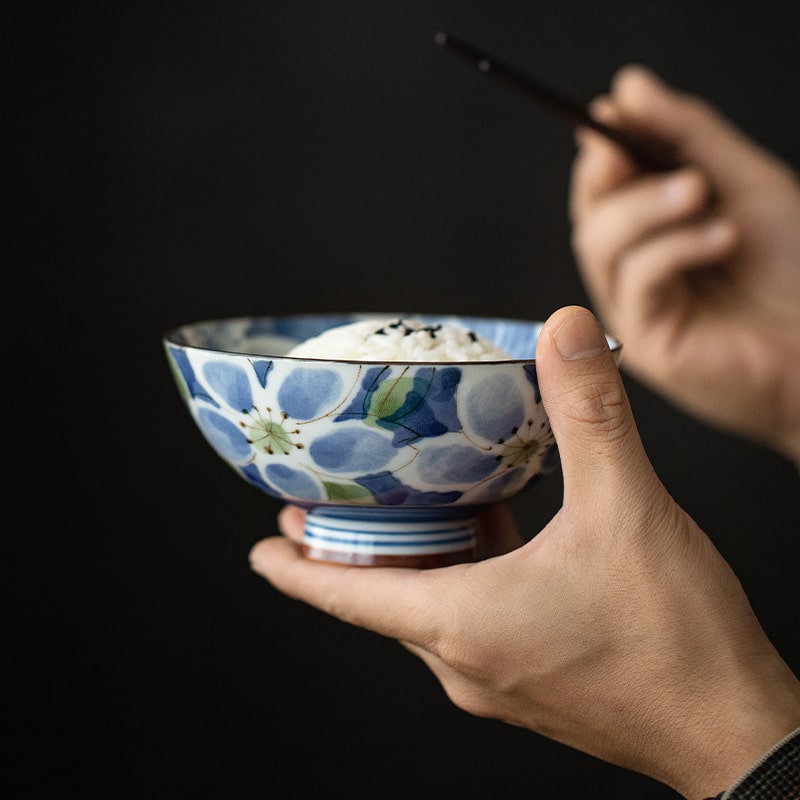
{"x":776,"y":776}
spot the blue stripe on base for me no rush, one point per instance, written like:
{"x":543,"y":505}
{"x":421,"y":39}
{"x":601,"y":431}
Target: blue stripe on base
{"x":387,"y":537}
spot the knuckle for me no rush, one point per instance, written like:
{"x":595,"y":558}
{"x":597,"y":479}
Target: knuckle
{"x":472,"y":662}
{"x":469,"y":698}
{"x":602,"y":405}
{"x":632,"y":262}
{"x":462,"y":645}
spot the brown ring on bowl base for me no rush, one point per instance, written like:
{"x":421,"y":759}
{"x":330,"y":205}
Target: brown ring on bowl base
{"x":426,"y":561}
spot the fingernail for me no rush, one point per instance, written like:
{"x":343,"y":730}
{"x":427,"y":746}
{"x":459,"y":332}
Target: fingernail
{"x":576,"y":338}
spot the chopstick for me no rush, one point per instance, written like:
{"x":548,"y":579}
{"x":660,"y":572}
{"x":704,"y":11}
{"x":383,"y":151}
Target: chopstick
{"x":650,"y":156}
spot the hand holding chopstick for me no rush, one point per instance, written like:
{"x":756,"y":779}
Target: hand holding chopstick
{"x":650,"y":156}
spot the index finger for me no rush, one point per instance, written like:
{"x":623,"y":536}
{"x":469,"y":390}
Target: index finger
{"x":396,"y":602}
{"x":600,"y":165}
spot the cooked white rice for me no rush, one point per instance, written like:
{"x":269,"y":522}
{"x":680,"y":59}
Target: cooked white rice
{"x":399,"y":340}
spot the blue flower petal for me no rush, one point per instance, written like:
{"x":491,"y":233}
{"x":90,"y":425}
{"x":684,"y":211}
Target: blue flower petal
{"x":530,"y":374}
{"x":293,"y":482}
{"x":230,"y":382}
{"x":511,"y":481}
{"x":388,"y":491}
{"x":307,"y":391}
{"x":262,"y":368}
{"x":432,"y":498}
{"x":193,"y":386}
{"x":252,"y":476}
{"x":359,"y":407}
{"x":225,"y":437}
{"x":353,"y":450}
{"x":455,"y":464}
{"x":494,"y":408}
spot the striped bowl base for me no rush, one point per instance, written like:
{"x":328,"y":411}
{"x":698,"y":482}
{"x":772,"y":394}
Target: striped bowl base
{"x":389,"y":536}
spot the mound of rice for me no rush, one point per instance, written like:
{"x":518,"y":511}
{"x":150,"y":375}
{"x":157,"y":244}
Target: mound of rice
{"x":399,"y":340}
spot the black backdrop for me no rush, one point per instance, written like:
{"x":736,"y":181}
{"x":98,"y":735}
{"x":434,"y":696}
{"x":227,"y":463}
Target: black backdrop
{"x":183,"y":161}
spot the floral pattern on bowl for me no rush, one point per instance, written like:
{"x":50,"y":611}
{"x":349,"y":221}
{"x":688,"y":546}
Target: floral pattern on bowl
{"x":344,"y":438}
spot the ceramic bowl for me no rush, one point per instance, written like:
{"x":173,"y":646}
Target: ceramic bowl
{"x":391,"y":460}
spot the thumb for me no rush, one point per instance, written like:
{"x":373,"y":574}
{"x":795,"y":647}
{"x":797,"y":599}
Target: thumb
{"x":585,"y":399}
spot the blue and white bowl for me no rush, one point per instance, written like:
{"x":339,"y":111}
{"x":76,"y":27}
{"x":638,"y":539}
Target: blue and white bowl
{"x":392,"y":460}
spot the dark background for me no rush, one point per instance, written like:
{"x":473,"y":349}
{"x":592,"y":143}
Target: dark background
{"x":183,"y":161}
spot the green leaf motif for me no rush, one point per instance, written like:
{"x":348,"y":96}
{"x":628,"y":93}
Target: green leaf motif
{"x":348,"y":492}
{"x":390,"y":397}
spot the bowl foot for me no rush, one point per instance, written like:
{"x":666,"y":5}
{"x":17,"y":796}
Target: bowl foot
{"x":366,"y":560}
{"x":389,"y":537}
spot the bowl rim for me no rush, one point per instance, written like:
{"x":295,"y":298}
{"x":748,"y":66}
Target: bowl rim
{"x":173,"y":336}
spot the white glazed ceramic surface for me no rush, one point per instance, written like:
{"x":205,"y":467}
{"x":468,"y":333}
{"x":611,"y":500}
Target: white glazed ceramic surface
{"x":391,"y":459}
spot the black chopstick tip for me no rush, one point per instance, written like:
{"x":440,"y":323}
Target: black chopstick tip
{"x":440,"y":37}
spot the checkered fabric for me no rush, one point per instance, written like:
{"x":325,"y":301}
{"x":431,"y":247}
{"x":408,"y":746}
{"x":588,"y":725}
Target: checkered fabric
{"x":775,"y":777}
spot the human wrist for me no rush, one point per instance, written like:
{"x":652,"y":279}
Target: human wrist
{"x":724,"y":749}
{"x":792,"y":449}
{"x":775,"y":776}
